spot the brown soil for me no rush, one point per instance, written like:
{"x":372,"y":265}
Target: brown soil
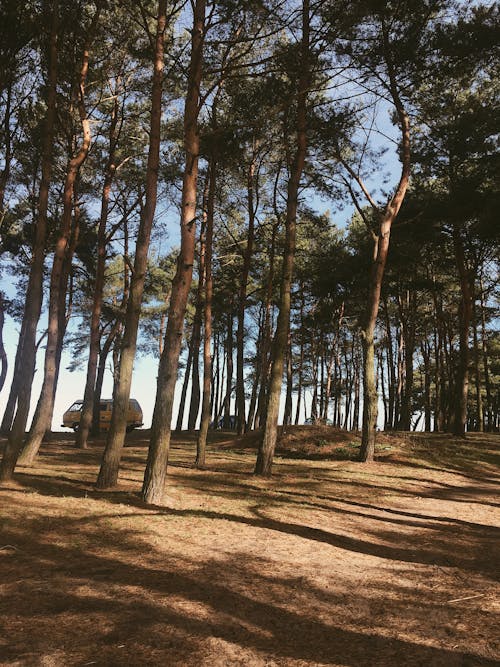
{"x":329,"y":562}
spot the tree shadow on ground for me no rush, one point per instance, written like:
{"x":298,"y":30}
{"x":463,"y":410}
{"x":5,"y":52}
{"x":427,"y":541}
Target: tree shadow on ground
{"x":132,"y":609}
{"x":469,"y":547}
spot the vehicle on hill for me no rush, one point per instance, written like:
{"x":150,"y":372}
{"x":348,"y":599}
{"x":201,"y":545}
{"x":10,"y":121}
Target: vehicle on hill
{"x":71,"y":418}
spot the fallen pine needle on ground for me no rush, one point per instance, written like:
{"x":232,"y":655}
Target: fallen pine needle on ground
{"x":328,"y":562}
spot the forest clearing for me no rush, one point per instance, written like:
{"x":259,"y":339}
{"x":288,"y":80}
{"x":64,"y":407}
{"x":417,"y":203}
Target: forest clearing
{"x":328,"y":562}
{"x":267,"y":232}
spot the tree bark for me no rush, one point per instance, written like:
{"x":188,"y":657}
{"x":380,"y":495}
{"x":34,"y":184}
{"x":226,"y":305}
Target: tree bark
{"x":407,"y":316}
{"x":464,"y":322}
{"x":381,"y":249}
{"x":267,"y":446}
{"x":194,"y":405}
{"x":242,"y":296}
{"x":207,"y":314}
{"x":301,"y":357}
{"x":95,"y":334}
{"x":61,"y":267}
{"x":156,"y":469}
{"x":486,"y":364}
{"x":7,"y":156}
{"x":229,"y":370}
{"x":287,"y":416}
{"x":3,"y":354}
{"x":108,"y":474}
{"x":266,"y":335}
{"x":185,"y":383}
{"x":24,"y":368}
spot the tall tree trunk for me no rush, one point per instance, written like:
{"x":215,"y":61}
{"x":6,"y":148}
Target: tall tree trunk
{"x":477,"y":372}
{"x":390,"y":368}
{"x":108,"y":474}
{"x":268,"y":444}
{"x":229,"y":371}
{"x":407,"y":315}
{"x":194,"y":405}
{"x":355,"y":413}
{"x":24,"y":368}
{"x":113,"y":338}
{"x":185,"y":384}
{"x":201,"y":443}
{"x":440,"y":384}
{"x":486,"y":364}
{"x":301,"y":357}
{"x":61,"y":267}
{"x":156,"y":469}
{"x":242,"y":296}
{"x":464,"y":317}
{"x":216,"y":393}
{"x":95,"y":334}
{"x":257,"y":375}
{"x":314,"y":400}
{"x":7,"y":156}
{"x":382,"y":386}
{"x":381,"y":249}
{"x":349,"y":368}
{"x":287,"y":416}
{"x":266,"y":332}
{"x":3,"y":354}
{"x":42,"y":418}
{"x":426,"y":355}
{"x":321,"y":382}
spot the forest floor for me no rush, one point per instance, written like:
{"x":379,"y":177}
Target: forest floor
{"x":329,"y":562}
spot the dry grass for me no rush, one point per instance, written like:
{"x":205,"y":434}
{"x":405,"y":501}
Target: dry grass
{"x":329,"y":562}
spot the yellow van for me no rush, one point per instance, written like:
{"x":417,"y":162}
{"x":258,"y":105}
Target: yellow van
{"x":71,"y":418}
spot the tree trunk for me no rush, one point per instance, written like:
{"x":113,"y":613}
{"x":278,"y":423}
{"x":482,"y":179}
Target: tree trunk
{"x":194,"y":405}
{"x":257,"y":375}
{"x":240,"y":333}
{"x":426,"y":354}
{"x":229,"y":371}
{"x":42,"y":418}
{"x":301,"y":357}
{"x":465,"y":316}
{"x":3,"y":355}
{"x":266,"y":333}
{"x":207,"y":312}
{"x":7,"y":156}
{"x":216,"y":393}
{"x":486,"y":364}
{"x":268,"y":444}
{"x":287,"y":416}
{"x":314,"y":400}
{"x":381,"y":249}
{"x":61,"y":267}
{"x":355,"y":413}
{"x":24,"y":368}
{"x":440,"y":385}
{"x":95,"y":335}
{"x":185,"y":383}
{"x":477,"y":372}
{"x":390,"y":368}
{"x":407,"y":315}
{"x":108,"y":474}
{"x":156,"y":469}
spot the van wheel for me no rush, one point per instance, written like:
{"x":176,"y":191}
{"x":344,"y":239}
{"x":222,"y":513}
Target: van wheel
{"x":76,"y":427}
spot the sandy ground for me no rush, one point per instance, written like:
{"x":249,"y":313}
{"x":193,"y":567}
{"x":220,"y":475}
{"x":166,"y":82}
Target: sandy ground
{"x":329,"y":562}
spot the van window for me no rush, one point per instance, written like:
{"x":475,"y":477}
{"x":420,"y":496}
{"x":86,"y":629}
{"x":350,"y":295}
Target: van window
{"x":76,"y":407}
